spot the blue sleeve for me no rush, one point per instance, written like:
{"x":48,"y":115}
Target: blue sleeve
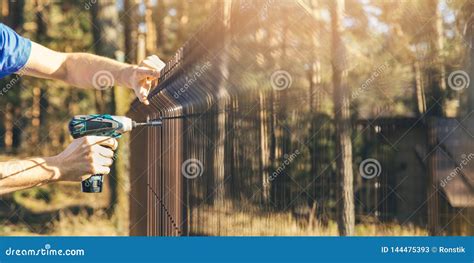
{"x":14,"y":51}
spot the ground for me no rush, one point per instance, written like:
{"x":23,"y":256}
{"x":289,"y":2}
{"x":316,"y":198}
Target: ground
{"x":61,"y":210}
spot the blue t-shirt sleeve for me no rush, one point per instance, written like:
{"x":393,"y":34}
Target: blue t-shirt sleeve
{"x":14,"y":51}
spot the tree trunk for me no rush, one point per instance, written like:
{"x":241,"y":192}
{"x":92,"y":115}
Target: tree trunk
{"x":39,"y":100}
{"x":16,"y":16}
{"x":440,"y":49}
{"x":344,"y":174}
{"x":469,"y":39}
{"x":435,"y":104}
{"x":159,"y":19}
{"x":5,"y":11}
{"x":142,"y":36}
{"x":13,"y":135}
{"x":182,"y":13}
{"x":314,"y":77}
{"x":419,"y":89}
{"x":131,"y":30}
{"x":151,"y":29}
{"x":35,"y":116}
{"x":106,"y":32}
{"x":264,"y":148}
{"x":223,"y":100}
{"x":8,"y":118}
{"x":122,"y":103}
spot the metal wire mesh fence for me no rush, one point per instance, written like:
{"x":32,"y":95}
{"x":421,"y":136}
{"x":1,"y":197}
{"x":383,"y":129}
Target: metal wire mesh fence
{"x":246,"y":148}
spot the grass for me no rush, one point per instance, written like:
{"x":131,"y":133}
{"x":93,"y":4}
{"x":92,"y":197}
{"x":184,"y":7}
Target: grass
{"x":208,"y":221}
{"x":228,"y":221}
{"x":59,"y":209}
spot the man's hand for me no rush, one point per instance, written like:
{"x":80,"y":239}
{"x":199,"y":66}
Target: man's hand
{"x":85,"y":156}
{"x":143,"y":77}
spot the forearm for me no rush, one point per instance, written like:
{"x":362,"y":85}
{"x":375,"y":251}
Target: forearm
{"x":21,"y":174}
{"x":82,"y":70}
{"x":85,"y":70}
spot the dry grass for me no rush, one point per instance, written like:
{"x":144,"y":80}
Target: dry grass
{"x":210,"y":222}
{"x":228,"y":221}
{"x":67,"y":224}
{"x":98,"y":224}
{"x":59,"y":210}
{"x":63,"y":211}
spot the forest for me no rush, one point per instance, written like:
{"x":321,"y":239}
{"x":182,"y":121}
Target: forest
{"x":342,"y":88}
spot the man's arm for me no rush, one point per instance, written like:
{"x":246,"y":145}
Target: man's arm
{"x":85,"y":70}
{"x":83,"y":157}
{"x":21,"y":174}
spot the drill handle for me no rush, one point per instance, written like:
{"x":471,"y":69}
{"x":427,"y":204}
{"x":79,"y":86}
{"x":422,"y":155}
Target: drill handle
{"x":94,"y":183}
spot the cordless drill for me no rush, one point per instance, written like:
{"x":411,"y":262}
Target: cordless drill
{"x":102,"y":125}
